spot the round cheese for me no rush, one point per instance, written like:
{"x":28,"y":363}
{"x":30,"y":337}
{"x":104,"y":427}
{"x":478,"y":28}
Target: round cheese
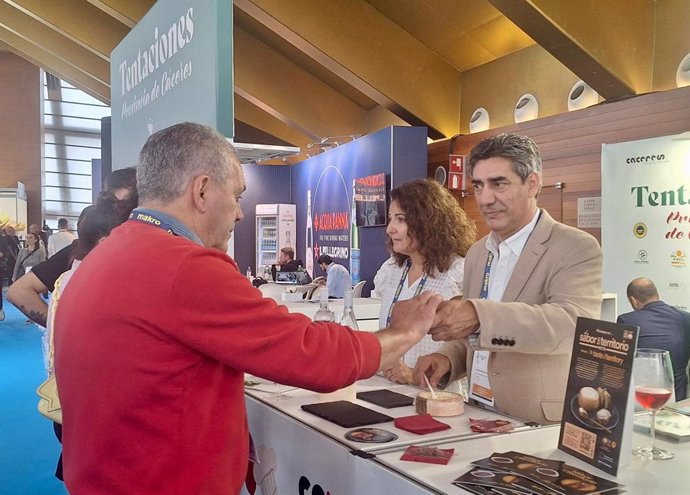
{"x":588,"y":399}
{"x":445,"y":404}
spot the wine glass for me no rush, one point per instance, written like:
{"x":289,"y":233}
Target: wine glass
{"x":653,"y":378}
{"x":278,"y":393}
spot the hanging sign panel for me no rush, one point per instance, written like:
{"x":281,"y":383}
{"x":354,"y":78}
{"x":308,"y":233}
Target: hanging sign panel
{"x":174,"y":66}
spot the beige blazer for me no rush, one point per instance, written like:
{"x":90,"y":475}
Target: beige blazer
{"x":530,"y":333}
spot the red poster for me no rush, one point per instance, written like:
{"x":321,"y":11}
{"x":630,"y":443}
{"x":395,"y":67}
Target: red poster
{"x":456,"y":172}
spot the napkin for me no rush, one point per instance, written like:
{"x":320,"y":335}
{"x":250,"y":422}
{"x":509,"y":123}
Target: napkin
{"x":421,"y":424}
{"x":490,"y":425}
{"x":430,"y":455}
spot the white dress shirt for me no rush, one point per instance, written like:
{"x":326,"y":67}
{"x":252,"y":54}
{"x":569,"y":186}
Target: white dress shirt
{"x":506,"y":255}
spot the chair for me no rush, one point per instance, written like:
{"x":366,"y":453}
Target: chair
{"x":357,"y":289}
{"x":318,"y":280}
{"x":311,"y":291}
{"x":272,"y":291}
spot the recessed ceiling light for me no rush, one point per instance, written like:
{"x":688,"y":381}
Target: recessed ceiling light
{"x":479,"y":120}
{"x":581,"y":96}
{"x":526,"y":108}
{"x":683,"y":72}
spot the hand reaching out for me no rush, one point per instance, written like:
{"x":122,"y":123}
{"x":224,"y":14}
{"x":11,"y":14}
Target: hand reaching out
{"x":455,"y":320}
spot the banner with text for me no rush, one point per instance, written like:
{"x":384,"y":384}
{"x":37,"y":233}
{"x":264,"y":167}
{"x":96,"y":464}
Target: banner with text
{"x":174,"y":66}
{"x":646,"y":216}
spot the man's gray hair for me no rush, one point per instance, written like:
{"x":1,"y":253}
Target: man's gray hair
{"x":520,"y":150}
{"x":173,"y":156}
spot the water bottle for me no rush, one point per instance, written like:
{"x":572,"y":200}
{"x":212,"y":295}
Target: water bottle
{"x":324,"y":314}
{"x":349,"y":392}
{"x":348,"y":317}
{"x":249,"y":273}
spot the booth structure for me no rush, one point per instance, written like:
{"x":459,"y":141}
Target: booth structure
{"x":298,"y":450}
{"x":13,"y":210}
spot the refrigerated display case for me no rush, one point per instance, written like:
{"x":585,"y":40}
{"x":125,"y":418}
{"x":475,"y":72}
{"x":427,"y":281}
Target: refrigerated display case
{"x":275,"y":229}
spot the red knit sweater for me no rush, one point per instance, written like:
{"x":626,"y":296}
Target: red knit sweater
{"x":153,"y":336}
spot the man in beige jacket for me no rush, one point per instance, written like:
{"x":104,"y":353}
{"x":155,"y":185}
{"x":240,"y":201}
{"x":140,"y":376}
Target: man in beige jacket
{"x":524,"y":286}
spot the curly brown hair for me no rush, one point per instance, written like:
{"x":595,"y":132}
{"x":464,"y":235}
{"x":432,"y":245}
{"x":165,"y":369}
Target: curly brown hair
{"x":438,"y":222}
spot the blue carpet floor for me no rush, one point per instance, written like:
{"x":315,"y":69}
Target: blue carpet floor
{"x":28,"y":447}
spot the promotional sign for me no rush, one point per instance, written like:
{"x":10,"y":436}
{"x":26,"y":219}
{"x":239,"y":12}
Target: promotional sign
{"x":646,"y":216}
{"x":329,"y":189}
{"x":174,"y":66}
{"x":370,"y":198}
{"x":598,"y":393}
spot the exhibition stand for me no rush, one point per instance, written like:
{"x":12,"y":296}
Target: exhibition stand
{"x":297,"y":449}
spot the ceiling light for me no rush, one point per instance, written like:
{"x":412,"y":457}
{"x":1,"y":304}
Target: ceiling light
{"x":526,"y":108}
{"x":479,"y":120}
{"x":581,"y":96}
{"x":683,"y":72}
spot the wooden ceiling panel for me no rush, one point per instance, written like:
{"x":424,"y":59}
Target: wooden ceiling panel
{"x":370,"y":52}
{"x":39,"y":57}
{"x":53,"y":44}
{"x":310,"y":104}
{"x":125,"y":11}
{"x":465,"y":33}
{"x":77,"y":20}
{"x":307,"y":69}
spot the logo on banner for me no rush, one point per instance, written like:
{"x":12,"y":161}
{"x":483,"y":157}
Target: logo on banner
{"x":678,"y":259}
{"x":640,"y":230}
{"x":677,"y":286}
{"x":646,"y":159}
{"x":642,"y":256}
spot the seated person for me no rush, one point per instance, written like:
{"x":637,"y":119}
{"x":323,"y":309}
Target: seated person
{"x":286,"y":262}
{"x":661,"y":327}
{"x":337,"y":277}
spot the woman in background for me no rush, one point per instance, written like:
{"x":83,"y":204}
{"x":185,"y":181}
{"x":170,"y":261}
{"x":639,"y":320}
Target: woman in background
{"x":428,"y":235}
{"x":94,"y":225}
{"x":31,"y":255}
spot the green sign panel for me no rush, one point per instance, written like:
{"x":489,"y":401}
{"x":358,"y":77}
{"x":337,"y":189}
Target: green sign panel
{"x":174,"y":66}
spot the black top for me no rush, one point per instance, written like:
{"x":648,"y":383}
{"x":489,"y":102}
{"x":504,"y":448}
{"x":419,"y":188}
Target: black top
{"x":49,"y":271}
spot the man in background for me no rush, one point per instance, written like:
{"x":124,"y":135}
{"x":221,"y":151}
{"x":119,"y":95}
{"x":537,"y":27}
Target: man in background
{"x":524,"y":286}
{"x":661,"y":327}
{"x":61,"y":239}
{"x":337,"y":277}
{"x":286,"y":260}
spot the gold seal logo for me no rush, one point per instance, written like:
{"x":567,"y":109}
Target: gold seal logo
{"x":640,"y":230}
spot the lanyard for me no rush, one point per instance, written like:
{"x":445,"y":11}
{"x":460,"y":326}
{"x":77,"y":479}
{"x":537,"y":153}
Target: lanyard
{"x":403,"y":279}
{"x":487,"y":272}
{"x":165,"y":222}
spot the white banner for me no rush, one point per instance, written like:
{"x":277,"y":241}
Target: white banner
{"x":645,"y":230}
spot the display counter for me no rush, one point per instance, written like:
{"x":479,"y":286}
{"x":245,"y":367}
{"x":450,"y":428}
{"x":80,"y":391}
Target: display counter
{"x":300,"y":452}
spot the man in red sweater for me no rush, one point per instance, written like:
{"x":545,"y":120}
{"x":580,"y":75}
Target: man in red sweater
{"x":158,"y":327}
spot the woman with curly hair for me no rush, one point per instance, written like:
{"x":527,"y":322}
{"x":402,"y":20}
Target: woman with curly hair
{"x":428,"y":235}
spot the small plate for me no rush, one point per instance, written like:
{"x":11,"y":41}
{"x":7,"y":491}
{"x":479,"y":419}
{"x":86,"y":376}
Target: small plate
{"x":371,"y":435}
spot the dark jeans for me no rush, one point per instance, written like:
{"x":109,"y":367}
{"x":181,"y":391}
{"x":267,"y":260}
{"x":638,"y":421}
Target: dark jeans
{"x":57,"y":428}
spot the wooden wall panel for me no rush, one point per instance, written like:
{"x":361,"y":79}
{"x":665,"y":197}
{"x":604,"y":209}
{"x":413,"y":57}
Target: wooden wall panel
{"x":20,"y":132}
{"x":570,"y":145}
